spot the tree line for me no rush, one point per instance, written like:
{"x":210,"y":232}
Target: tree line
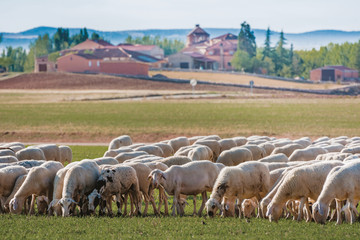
{"x":279,"y":60}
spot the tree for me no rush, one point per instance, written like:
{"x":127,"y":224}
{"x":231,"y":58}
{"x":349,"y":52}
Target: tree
{"x":61,"y":39}
{"x":1,"y":37}
{"x":242,"y":61}
{"x":81,"y":37}
{"x":95,"y":36}
{"x":267,"y":52}
{"x":42,"y":46}
{"x":246,"y":40}
{"x":13,"y":59}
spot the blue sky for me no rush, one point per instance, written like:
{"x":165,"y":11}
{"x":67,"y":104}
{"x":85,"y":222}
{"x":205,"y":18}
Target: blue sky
{"x":108,"y":15}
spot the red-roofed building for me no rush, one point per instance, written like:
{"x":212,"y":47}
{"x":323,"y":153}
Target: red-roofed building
{"x":203,"y":53}
{"x":92,"y":44}
{"x":334,"y":74}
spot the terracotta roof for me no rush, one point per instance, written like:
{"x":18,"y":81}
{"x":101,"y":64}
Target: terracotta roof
{"x":227,"y":45}
{"x":137,"y":47}
{"x":198,"y":31}
{"x":102,"y":42}
{"x":102,"y":53}
{"x":227,"y":36}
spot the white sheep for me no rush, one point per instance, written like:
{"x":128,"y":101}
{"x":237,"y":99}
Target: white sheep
{"x":189,"y":179}
{"x":287,"y":149}
{"x":353,"y":149}
{"x":25,"y":163}
{"x":212,"y":144}
{"x":268,"y":147}
{"x":257,"y":152}
{"x":80,"y":180}
{"x":246,"y":180}
{"x":6,"y":152}
{"x":39,"y":181}
{"x":342,"y":183}
{"x":166,"y":148}
{"x":275,"y":158}
{"x":19,"y":181}
{"x":122,"y":157}
{"x":179,"y":142}
{"x":151,"y":149}
{"x":105,"y":160}
{"x":201,"y":153}
{"x":8,"y":176}
{"x":240,"y":141}
{"x":175,"y":160}
{"x":306,"y":154}
{"x":30,"y":153}
{"x":227,"y":143}
{"x":120,"y":141}
{"x":235,"y":156}
{"x":115,"y":152}
{"x":51,"y":152}
{"x":300,"y":183}
{"x":8,"y":159}
{"x":65,"y":154}
{"x":334,"y":147}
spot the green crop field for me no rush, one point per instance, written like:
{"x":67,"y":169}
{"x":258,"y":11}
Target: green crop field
{"x":151,"y":121}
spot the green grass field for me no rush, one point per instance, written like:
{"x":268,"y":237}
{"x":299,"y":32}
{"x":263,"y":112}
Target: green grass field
{"x":158,"y":120}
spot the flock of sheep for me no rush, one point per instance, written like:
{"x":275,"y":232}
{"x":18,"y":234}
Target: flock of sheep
{"x":257,"y":176}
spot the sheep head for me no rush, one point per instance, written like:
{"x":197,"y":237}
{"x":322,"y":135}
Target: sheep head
{"x":94,"y":200}
{"x":65,"y":204}
{"x":274,"y":212}
{"x":157,"y":178}
{"x":212,"y":205}
{"x":320,"y":212}
{"x":248,"y":206}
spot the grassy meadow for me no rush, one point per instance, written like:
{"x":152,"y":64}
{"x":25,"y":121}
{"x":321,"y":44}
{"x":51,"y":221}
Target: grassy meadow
{"x":151,"y":121}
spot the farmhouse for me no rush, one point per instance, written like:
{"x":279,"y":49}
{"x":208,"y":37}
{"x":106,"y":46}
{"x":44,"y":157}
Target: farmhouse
{"x":102,"y":57}
{"x":334,"y":74}
{"x":201,"y":52}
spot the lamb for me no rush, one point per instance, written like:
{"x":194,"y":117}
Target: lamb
{"x":120,"y":141}
{"x":227,"y":143}
{"x":117,"y":180}
{"x":300,"y":183}
{"x":342,"y":183}
{"x":287,"y":149}
{"x":257,"y":152}
{"x":30,"y":153}
{"x":213,"y":145}
{"x":80,"y":180}
{"x":277,"y":158}
{"x":122,"y":157}
{"x":166,"y":148}
{"x":8,"y":176}
{"x":179,"y":142}
{"x":201,"y":153}
{"x":8,"y":159}
{"x":151,"y":149}
{"x":51,"y":152}
{"x":175,"y":160}
{"x":65,"y":154}
{"x":246,"y":180}
{"x":39,"y":182}
{"x":6,"y":152}
{"x":189,"y":179}
{"x":115,"y":152}
{"x":306,"y":154}
{"x":248,"y":207}
{"x":235,"y":156}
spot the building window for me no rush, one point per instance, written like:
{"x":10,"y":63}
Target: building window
{"x":89,"y":63}
{"x":229,"y":64}
{"x":98,"y":63}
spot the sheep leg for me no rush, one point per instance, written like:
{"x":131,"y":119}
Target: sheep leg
{"x":32,"y":205}
{"x":338,"y":212}
{"x":152,"y":201}
{"x":166,"y":202}
{"x":300,"y":210}
{"x":175,"y":203}
{"x":194,"y":202}
{"x":109,"y":206}
{"x":308,"y":212}
{"x":204,"y":200}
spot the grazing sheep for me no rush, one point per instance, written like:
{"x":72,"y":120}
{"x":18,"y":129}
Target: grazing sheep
{"x":213,"y":145}
{"x":120,"y":141}
{"x":106,"y":160}
{"x":115,"y":152}
{"x":240,"y":141}
{"x":184,"y":151}
{"x":246,"y":180}
{"x":8,"y":159}
{"x":212,"y":137}
{"x":305,"y":142}
{"x":51,"y":152}
{"x":142,"y":172}
{"x":8,"y":176}
{"x":151,"y":149}
{"x":190,"y":179}
{"x":342,"y":183}
{"x":281,"y":142}
{"x":6,"y":152}
{"x":354,"y":149}
{"x":19,"y":181}
{"x":65,"y":154}
{"x":257,"y":152}
{"x":300,"y":183}
{"x":321,"y":139}
{"x":166,"y":148}
{"x":248,"y":207}
{"x":117,"y":180}
{"x":122,"y":157}
{"x":201,"y":153}
{"x":287,"y":149}
{"x":333,"y":156}
{"x":227,"y":143}
{"x":175,"y":160}
{"x":39,"y":181}
{"x":335,"y":147}
{"x":276,"y":158}
{"x":29,"y":153}
{"x":80,"y":180}
{"x":235,"y":156}
{"x":25,"y":164}
{"x":193,"y":139}
{"x":179,"y":142}
{"x":306,"y":154}
{"x":268,"y":147}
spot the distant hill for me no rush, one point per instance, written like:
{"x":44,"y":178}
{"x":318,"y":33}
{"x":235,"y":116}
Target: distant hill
{"x":307,"y":40}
